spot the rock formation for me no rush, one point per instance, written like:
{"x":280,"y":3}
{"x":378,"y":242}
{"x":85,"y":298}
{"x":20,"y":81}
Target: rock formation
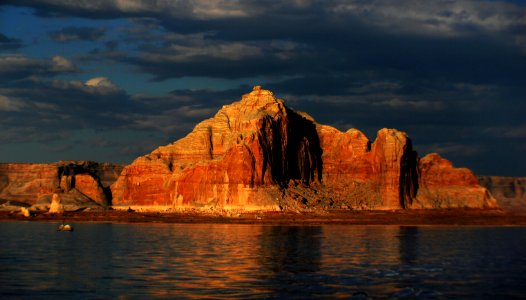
{"x":78,"y":183}
{"x":27,"y":182}
{"x":239,"y":158}
{"x":510,"y":192}
{"x":24,"y":211}
{"x":257,"y":153}
{"x":443,"y":186}
{"x":56,"y":206}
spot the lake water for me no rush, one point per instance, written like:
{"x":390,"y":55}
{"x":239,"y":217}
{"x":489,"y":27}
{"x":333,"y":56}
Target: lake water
{"x":215,"y":261}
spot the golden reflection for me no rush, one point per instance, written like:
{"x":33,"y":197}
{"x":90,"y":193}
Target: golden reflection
{"x":203,"y":260}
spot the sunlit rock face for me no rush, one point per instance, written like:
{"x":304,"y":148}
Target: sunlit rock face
{"x":241,"y":157}
{"x":77,"y":183}
{"x":361,"y":174}
{"x":443,"y":186}
{"x":27,"y":182}
{"x":258,"y":154}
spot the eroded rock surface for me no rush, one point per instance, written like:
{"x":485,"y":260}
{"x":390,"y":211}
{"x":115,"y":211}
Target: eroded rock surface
{"x":257,"y":153}
{"x":510,"y":192}
{"x":79,"y":184}
{"x":443,"y":186}
{"x":241,"y":157}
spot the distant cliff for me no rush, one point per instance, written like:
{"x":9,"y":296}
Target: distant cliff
{"x":257,"y":153}
{"x":79,"y":183}
{"x":510,"y":192}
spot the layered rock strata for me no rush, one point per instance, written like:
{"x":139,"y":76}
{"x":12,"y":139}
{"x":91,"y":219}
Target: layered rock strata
{"x":77,"y":183}
{"x":510,"y":192}
{"x":443,"y":186}
{"x":257,"y":153}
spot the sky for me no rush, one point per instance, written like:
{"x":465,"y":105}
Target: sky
{"x":110,"y":80}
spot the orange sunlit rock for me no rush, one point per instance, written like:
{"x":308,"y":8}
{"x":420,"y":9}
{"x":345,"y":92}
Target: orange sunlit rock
{"x":442,"y":186}
{"x":258,"y":153}
{"x":76,"y":182}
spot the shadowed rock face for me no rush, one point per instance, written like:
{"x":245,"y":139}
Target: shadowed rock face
{"x":78,"y":183}
{"x":361,"y":174}
{"x":257,"y":153}
{"x":510,"y":192}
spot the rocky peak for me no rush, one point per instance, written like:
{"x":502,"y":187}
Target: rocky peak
{"x":256,"y":152}
{"x":258,"y":98}
{"x":255,"y":104}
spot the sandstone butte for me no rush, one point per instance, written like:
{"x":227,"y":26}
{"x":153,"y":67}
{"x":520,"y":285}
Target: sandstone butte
{"x":257,"y":153}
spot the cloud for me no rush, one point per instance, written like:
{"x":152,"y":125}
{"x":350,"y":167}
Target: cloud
{"x":102,"y":85}
{"x":452,"y":149}
{"x":442,"y":18}
{"x":198,"y":9}
{"x":69,"y":34}
{"x":7,"y":43}
{"x":7,"y":104}
{"x":509,"y":132}
{"x":449,"y":73}
{"x":54,"y":106}
{"x":239,"y":39}
{"x":50,"y":110}
{"x":15,"y":67}
{"x":183,"y":53}
{"x":187,"y":107}
{"x":397,"y":103}
{"x":61,"y":64}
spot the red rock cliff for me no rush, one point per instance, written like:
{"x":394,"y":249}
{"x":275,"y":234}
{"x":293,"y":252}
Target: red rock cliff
{"x":27,"y":182}
{"x":75,"y":180}
{"x":361,"y":174}
{"x":240,"y":157}
{"x":443,"y":186}
{"x":257,"y":153}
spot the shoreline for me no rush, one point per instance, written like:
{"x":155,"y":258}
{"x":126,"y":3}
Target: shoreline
{"x":453,"y":217}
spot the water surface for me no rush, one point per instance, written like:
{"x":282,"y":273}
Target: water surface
{"x":222,"y":261}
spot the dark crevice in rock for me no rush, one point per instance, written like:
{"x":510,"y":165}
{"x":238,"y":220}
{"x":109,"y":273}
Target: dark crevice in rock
{"x":291,"y":149}
{"x":408,"y":176}
{"x":69,"y":169}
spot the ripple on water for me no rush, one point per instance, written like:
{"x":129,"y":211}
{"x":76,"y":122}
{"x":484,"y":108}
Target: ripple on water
{"x":260,"y":262}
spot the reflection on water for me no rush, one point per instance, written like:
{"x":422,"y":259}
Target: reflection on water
{"x":408,"y":244}
{"x":259,"y":262}
{"x":290,"y":259}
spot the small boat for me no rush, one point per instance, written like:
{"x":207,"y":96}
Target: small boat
{"x":65,"y":227}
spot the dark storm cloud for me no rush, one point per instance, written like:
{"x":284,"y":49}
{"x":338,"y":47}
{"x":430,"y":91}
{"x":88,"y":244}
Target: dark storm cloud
{"x":461,"y":39}
{"x":50,"y":110}
{"x":450,"y":73}
{"x":220,"y":59}
{"x":7,"y":43}
{"x":69,"y":34}
{"x":326,"y":40}
{"x":176,"y":113}
{"x":16,"y":67}
{"x":56,"y":106}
